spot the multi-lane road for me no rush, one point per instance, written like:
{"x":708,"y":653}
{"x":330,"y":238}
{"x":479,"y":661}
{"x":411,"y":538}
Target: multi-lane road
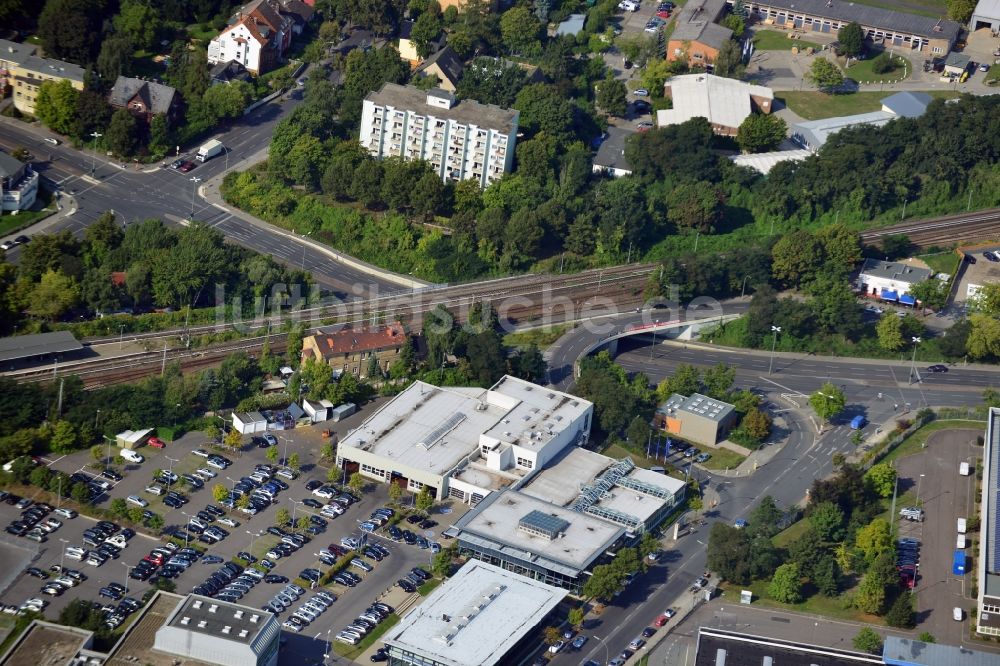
{"x":153,"y":191}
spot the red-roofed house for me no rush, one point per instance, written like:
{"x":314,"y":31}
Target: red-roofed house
{"x":350,"y":350}
{"x":256,"y":37}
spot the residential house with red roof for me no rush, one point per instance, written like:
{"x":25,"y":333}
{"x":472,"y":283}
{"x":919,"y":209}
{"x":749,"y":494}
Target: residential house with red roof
{"x":257,"y":35}
{"x":350,"y":350}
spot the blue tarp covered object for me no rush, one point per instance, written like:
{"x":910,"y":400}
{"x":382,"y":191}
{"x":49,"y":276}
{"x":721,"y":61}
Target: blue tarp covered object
{"x":906,"y":299}
{"x":889,"y":295}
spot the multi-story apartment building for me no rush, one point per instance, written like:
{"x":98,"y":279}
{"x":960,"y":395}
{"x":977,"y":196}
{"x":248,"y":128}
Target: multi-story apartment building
{"x":28,"y":76}
{"x":461,"y":140}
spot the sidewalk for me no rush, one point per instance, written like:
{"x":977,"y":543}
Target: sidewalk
{"x":209,"y":192}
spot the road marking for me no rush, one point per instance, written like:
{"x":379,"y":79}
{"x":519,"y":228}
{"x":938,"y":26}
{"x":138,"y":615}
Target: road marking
{"x":221,"y":207}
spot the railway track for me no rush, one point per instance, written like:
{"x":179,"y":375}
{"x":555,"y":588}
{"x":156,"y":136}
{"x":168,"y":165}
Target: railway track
{"x":942,"y":230}
{"x":518,"y":300}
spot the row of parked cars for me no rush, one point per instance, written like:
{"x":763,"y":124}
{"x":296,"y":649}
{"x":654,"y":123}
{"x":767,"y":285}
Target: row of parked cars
{"x":308,"y":611}
{"x":354,"y":632}
{"x":35,"y":523}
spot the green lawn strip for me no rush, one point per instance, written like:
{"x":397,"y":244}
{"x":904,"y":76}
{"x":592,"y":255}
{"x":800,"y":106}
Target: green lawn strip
{"x":201,"y":32}
{"x":722,"y":459}
{"x":783,"y":538}
{"x":25,"y":218}
{"x":817,"y":604}
{"x":775,"y":40}
{"x":915,"y":442}
{"x":353,"y":651}
{"x":542,"y":337}
{"x":429,"y":586}
{"x":814,"y":105}
{"x":993,"y":76}
{"x":862,"y":71}
{"x":941,"y":262}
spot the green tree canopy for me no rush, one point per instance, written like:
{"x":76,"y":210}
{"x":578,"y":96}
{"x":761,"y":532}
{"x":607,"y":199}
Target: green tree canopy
{"x":827,"y":521}
{"x":882,"y":479}
{"x":786,"y":586}
{"x":868,"y":640}
{"x":56,"y":105}
{"x":122,"y":136}
{"x":851,"y":39}
{"x":520,"y":30}
{"x":760,"y":132}
{"x":824,"y":75}
{"x":828,"y":401}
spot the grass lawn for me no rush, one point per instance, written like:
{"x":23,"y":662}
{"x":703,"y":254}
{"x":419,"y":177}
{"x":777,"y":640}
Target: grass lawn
{"x":813,"y":105}
{"x":201,"y":32}
{"x":429,"y":586}
{"x":993,"y":75}
{"x":352,"y":651}
{"x":775,"y":40}
{"x":790,"y":533}
{"x":862,"y":71}
{"x":941,"y":262}
{"x":11,"y":223}
{"x":915,"y":442}
{"x":816,"y":604}
{"x":543,"y":337}
{"x":723,"y":459}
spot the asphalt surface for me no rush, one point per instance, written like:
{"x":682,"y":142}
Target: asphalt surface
{"x":163,"y":193}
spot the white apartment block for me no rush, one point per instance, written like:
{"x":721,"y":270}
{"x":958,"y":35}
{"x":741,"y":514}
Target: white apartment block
{"x":461,"y":140}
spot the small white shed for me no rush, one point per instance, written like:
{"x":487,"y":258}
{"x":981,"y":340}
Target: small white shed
{"x":249,"y":423}
{"x":317,"y":410}
{"x":132,"y":439}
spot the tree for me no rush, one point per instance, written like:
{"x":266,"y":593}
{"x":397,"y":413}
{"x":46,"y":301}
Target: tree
{"x":39,"y":476}
{"x":926,"y":637}
{"x":293,"y":462}
{"x":760,"y":132}
{"x":729,"y":553}
{"x":576,"y":617}
{"x":795,"y":257}
{"x":828,"y":401}
{"x":827,"y":521}
{"x":882,"y":479}
{"x":302,"y":523}
{"x":729,"y":61}
{"x":71,"y":29}
{"x":697,"y":206}
{"x":233,"y":439}
{"x":685,"y":381}
{"x":122,"y":136}
{"x":272,"y":454}
{"x":874,"y":539}
{"x":870,"y":596}
{"x":53,"y":296}
{"x":765,"y":518}
{"x":220,"y":492}
{"x":424,"y":500}
{"x":356,"y":482}
{"x":227,"y":101}
{"x":786,"y":586}
{"x":867,"y":640}
{"x":638,"y":433}
{"x":901,"y":614}
{"x":889,"y":330}
{"x":718,"y":380}
{"x":603,"y":583}
{"x":282,"y":517}
{"x":80,"y":493}
{"x":56,"y":105}
{"x":64,"y":438}
{"x":139,"y":22}
{"x":824,"y":75}
{"x":118,"y":507}
{"x":961,"y":10}
{"x":984,"y":337}
{"x":851,"y":39}
{"x":395,"y":493}
{"x":519,"y":29}
{"x":425,"y":30}
{"x":115,"y":58}
{"x":930,"y":293}
{"x":735,"y":23}
{"x":987,"y":301}
{"x":612,"y":96}
{"x":756,"y":425}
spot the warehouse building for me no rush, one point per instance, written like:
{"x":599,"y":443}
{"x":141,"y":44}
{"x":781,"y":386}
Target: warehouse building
{"x":988,"y":573}
{"x":465,"y":442}
{"x":536,"y":539}
{"x":697,"y":419}
{"x":986,"y":16}
{"x":725,"y":103}
{"x":482,"y":615}
{"x":613,"y":490}
{"x":218,"y":632}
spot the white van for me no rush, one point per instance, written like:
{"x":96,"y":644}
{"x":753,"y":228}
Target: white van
{"x":963,"y":468}
{"x":960,"y":542}
{"x":961,"y":526}
{"x":132,"y":456}
{"x":628,"y":6}
{"x":76,"y":553}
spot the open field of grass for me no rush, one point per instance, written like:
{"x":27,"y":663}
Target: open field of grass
{"x":723,"y":459}
{"x":941,"y":262}
{"x":816,"y":604}
{"x":543,"y":337}
{"x":814,"y":105}
{"x":776,"y":40}
{"x":862,"y":71}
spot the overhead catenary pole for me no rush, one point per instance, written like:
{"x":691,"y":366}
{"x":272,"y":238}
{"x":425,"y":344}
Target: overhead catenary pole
{"x":774,"y":341}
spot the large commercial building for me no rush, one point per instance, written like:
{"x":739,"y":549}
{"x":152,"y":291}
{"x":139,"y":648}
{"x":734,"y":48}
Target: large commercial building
{"x":218,"y":632}
{"x":988,"y":573}
{"x":725,"y":103}
{"x":613,"y":490}
{"x":461,"y":140}
{"x":482,"y":615}
{"x":986,"y":16}
{"x":465,"y":442}
{"x":882,"y":26}
{"x":720,"y":647}
{"x":697,"y":419}
{"x":536,"y":539}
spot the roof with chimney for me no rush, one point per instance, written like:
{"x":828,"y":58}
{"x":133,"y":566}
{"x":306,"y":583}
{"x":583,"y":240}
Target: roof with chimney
{"x":157,"y":97}
{"x":353,"y":340}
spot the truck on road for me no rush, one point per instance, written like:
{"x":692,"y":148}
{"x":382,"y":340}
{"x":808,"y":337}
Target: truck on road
{"x":209,"y":150}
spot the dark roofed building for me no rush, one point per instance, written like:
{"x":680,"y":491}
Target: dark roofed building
{"x":696,"y":36}
{"x":358,"y":39}
{"x":446,"y":66}
{"x":227,"y":72}
{"x":610,"y":156}
{"x":38,"y":344}
{"x":144,"y":99}
{"x":884,"y":26}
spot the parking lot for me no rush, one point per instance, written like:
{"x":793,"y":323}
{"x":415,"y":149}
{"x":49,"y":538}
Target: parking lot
{"x":250,"y":535}
{"x":982,"y":272}
{"x":945,"y":496}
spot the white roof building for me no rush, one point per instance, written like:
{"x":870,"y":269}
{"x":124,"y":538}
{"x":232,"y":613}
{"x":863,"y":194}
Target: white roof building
{"x":218,"y":632}
{"x":725,"y":103}
{"x":476,"y":617}
{"x":986,"y":15}
{"x":764,"y":162}
{"x":428,"y":435}
{"x":131,"y":439}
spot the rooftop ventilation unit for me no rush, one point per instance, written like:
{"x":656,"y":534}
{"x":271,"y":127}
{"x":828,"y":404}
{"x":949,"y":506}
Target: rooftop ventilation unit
{"x":254,"y":618}
{"x":196,"y":604}
{"x":243,"y":633}
{"x":185,"y":621}
{"x":226,"y":629}
{"x":201,"y":624}
{"x":238,"y":614}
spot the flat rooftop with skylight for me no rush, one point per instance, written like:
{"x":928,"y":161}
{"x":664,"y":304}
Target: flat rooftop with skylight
{"x":482,"y":615}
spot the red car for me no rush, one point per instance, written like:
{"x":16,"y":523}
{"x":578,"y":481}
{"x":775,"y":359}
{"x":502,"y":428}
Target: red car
{"x":186,"y":166}
{"x":660,"y":621}
{"x":663,"y":13}
{"x":157,"y":443}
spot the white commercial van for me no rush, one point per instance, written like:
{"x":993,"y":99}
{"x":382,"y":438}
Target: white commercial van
{"x":961,"y":525}
{"x":132,"y":456}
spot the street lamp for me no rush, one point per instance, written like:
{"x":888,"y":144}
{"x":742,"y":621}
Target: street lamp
{"x":62,"y":555}
{"x":108,"y":456}
{"x":918,"y":488}
{"x":253,"y":536}
{"x":121,"y":335}
{"x":295,"y":505}
{"x":170,"y":468}
{"x":93,"y":158}
{"x":913,"y":361}
{"x":303,"y":264}
{"x":774,"y":341}
{"x":284,"y":458}
{"x":128,"y":568}
{"x":744,"y":287}
{"x":195,"y":180}
{"x":232,"y":491}
{"x":187,"y":532}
